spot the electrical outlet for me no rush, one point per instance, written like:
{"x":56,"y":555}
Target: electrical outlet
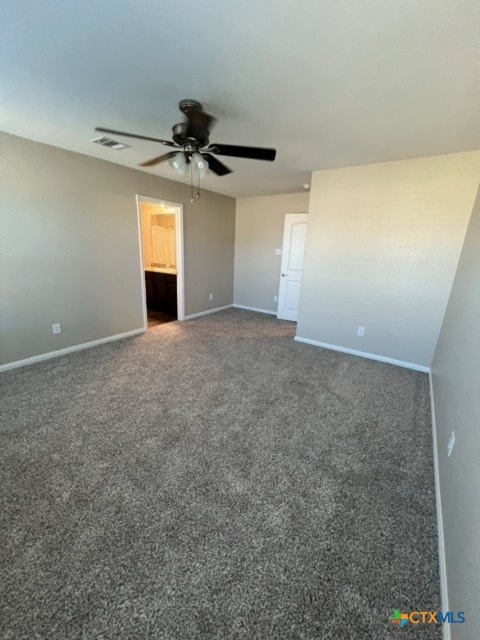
{"x":56,"y":328}
{"x":275,"y":298}
{"x":451,"y":444}
{"x":360,"y":331}
{"x":278,"y":252}
{"x":210,"y":297}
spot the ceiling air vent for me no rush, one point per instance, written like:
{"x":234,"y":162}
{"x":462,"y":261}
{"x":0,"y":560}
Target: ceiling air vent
{"x":108,"y":142}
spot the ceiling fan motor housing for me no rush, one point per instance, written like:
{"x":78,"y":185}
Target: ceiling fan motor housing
{"x":190,"y":133}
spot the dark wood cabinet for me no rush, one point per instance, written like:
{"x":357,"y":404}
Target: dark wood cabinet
{"x":149,"y":289}
{"x":161,"y":290}
{"x":171,"y":293}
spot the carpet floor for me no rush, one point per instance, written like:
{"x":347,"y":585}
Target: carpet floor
{"x":215,"y":479}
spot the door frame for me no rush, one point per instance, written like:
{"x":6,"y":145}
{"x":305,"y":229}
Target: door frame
{"x":179,"y":249}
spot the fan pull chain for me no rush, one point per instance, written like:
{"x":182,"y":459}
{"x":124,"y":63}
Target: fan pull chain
{"x":197,"y":195}
{"x":191,"y":182}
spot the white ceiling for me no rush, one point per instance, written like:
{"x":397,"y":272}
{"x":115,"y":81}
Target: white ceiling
{"x":329,"y":83}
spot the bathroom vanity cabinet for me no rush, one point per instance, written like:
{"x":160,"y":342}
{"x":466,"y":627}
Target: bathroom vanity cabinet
{"x":161,"y":290}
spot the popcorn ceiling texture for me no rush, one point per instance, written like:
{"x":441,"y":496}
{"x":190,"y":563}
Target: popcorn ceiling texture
{"x":215,"y":479}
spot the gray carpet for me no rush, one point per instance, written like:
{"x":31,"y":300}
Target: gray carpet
{"x":215,"y":479}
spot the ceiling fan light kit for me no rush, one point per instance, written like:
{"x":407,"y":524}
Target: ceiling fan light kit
{"x":200,"y":165}
{"x":191,"y":138}
{"x":178,"y":163}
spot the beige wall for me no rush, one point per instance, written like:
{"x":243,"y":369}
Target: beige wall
{"x":383,"y":243}
{"x":259,"y":231}
{"x":69,"y":247}
{"x":456,"y":392}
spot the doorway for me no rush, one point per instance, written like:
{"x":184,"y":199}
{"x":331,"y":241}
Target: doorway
{"x":160,"y":232}
{"x":293,"y":250}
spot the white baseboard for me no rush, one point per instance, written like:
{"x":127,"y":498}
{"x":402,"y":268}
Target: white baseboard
{"x":438,"y":502}
{"x":208,"y":311}
{"x":62,"y":352}
{"x":363,"y":354}
{"x":241,"y":306}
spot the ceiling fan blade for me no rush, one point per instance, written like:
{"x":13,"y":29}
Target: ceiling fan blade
{"x":255,"y":153}
{"x":215,"y":165}
{"x":134,"y":135}
{"x":158,"y":159}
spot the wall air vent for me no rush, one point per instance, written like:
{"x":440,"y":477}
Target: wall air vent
{"x":108,"y":142}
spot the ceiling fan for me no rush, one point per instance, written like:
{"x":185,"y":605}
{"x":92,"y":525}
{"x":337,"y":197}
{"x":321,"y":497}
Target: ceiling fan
{"x":191,"y":140}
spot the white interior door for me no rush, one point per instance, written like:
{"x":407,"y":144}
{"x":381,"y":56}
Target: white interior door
{"x":292,"y":265}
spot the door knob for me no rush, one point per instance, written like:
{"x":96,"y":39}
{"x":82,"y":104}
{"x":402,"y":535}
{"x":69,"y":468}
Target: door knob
{"x":284,"y":275}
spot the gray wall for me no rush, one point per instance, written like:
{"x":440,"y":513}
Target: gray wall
{"x":69,"y":247}
{"x":456,"y":393}
{"x":383,"y":242}
{"x":259,"y":231}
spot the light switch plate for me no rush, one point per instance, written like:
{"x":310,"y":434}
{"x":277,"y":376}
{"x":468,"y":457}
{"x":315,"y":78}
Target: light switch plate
{"x":278,"y":252}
